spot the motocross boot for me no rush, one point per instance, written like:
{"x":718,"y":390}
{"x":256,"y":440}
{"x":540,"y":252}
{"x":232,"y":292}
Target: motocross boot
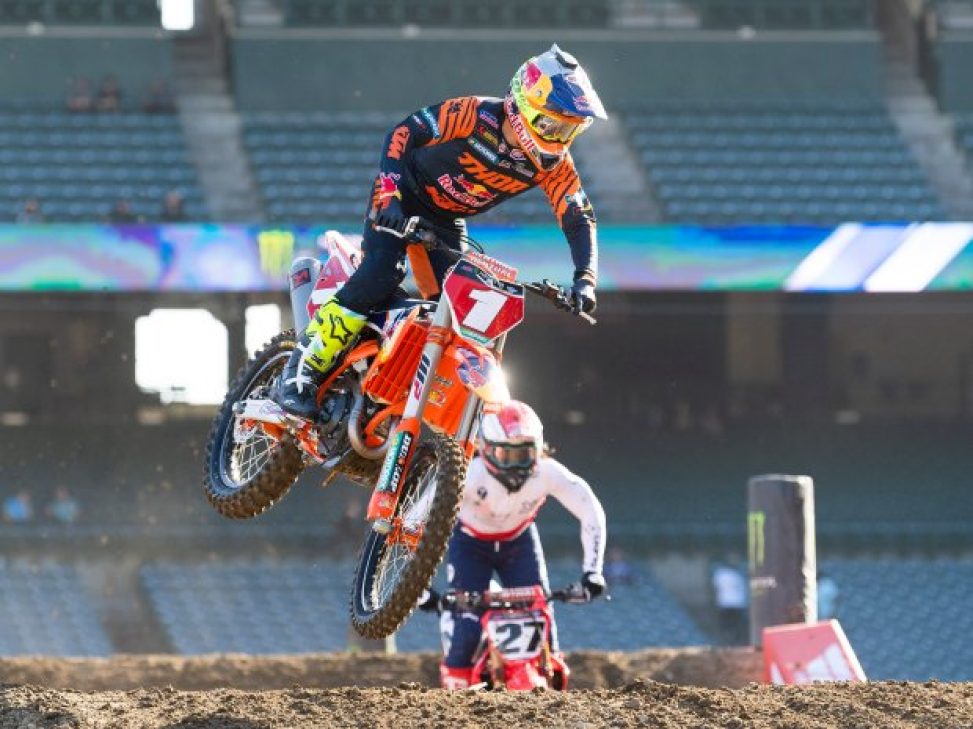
{"x":332,"y":331}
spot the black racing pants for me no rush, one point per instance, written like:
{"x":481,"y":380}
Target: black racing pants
{"x":383,"y":267}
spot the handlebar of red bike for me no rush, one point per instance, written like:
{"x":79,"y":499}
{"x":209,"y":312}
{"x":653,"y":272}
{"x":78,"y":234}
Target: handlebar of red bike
{"x":422,"y":232}
{"x":472,"y":600}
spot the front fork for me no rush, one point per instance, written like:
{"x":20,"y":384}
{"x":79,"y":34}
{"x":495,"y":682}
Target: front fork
{"x":403,"y":440}
{"x":405,"y":437}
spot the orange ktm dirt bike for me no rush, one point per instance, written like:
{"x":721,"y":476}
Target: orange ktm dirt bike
{"x":515,"y":649}
{"x":399,"y":414}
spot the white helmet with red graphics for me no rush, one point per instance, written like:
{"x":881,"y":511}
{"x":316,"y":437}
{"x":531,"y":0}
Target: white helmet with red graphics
{"x":511,"y":441}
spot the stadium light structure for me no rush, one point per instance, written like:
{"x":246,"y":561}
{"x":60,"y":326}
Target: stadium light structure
{"x":177,"y":14}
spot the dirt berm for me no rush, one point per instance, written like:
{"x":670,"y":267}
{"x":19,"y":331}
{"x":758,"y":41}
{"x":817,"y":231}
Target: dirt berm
{"x":317,"y":702}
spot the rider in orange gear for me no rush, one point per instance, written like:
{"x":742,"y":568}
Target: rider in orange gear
{"x":447,"y":162}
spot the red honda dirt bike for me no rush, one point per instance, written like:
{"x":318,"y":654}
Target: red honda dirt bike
{"x":399,"y":414}
{"x":515,"y":645}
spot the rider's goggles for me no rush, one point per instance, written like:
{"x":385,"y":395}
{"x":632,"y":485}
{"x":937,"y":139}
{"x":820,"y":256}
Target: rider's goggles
{"x":510,"y":455}
{"x":558,"y":129}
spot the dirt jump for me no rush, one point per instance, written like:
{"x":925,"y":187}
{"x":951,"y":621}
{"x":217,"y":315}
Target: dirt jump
{"x":701,"y":688}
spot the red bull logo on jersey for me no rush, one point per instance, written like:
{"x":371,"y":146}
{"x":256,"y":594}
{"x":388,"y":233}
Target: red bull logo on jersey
{"x":388,"y":186}
{"x":466,"y":191}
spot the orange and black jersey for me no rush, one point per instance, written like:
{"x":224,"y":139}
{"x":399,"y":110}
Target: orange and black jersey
{"x":452,"y":159}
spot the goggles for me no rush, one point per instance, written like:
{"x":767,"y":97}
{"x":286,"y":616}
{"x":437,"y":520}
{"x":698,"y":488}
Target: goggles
{"x":555,"y":129}
{"x":510,"y":455}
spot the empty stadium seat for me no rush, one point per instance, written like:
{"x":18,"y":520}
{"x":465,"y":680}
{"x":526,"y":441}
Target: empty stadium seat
{"x":296,"y":606}
{"x":80,"y":12}
{"x":907,"y":619}
{"x":78,"y":165}
{"x":46,"y":612}
{"x":729,"y":163}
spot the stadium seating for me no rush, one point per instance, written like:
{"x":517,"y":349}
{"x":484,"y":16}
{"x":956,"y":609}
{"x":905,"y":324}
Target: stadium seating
{"x":300,"y":606}
{"x":786,"y":14}
{"x":964,"y":135}
{"x":45,"y":612}
{"x":79,"y":165}
{"x":442,"y":13}
{"x":80,"y":12}
{"x":319,"y":167}
{"x":772,"y":163}
{"x":710,"y":14}
{"x":907,"y":619}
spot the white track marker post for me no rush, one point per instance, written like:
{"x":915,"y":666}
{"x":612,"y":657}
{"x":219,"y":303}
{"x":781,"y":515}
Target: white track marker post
{"x":781,"y":552}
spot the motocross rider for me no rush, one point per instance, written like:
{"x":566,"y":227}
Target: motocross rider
{"x":447,"y":162}
{"x":506,"y":484}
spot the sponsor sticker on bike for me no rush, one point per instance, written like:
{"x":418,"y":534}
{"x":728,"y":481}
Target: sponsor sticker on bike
{"x":394,"y":466}
{"x":473,"y":370}
{"x":300,"y":277}
{"x":501,"y":270}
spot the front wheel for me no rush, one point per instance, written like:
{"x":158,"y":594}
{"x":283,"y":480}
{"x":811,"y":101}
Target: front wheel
{"x":247,"y":471}
{"x":394,"y":569}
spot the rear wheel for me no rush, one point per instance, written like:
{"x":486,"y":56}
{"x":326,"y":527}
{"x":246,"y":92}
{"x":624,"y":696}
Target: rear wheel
{"x":247,"y":471}
{"x":395,"y":568}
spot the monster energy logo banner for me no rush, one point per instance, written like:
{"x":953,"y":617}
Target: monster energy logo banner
{"x":756,"y":539}
{"x":276,"y":251}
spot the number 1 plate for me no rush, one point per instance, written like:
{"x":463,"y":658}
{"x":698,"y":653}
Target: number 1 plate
{"x":484,"y":307}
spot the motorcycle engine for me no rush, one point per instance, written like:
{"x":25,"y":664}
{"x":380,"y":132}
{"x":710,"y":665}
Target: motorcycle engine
{"x":332,"y":422}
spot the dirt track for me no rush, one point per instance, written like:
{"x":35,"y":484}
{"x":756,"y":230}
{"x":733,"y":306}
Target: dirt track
{"x":591,"y":669}
{"x":638,"y":702}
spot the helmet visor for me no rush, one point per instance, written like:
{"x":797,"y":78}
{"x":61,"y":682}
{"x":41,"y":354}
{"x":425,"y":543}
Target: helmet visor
{"x":558,"y":129}
{"x":510,"y":455}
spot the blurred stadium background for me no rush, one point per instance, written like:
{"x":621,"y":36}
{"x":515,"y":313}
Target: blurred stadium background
{"x":723,"y":351}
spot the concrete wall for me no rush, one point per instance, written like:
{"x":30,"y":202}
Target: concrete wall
{"x":42,"y":68}
{"x":384,"y":70}
{"x":955,"y":55}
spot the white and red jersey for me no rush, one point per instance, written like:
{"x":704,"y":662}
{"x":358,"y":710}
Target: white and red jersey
{"x":488,"y":511}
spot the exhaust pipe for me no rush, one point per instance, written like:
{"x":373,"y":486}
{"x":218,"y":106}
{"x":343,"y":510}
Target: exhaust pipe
{"x":355,"y":435}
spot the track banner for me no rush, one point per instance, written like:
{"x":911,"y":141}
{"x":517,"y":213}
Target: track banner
{"x":804,"y":653}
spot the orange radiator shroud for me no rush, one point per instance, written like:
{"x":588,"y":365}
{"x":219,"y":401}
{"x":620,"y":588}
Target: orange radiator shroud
{"x":392,"y":373}
{"x":389,"y":377}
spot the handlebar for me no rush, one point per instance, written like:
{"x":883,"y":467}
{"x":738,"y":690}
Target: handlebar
{"x":559,"y":297}
{"x":417,"y":231}
{"x":508,"y":599}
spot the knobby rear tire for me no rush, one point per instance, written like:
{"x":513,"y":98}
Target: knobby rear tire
{"x":247,"y":499}
{"x":378,"y":621}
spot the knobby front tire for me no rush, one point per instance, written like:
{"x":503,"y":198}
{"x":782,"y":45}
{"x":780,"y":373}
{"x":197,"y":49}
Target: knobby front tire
{"x":390,"y":578}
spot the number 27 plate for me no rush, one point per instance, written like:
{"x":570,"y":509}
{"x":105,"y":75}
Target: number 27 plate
{"x":484,"y":307}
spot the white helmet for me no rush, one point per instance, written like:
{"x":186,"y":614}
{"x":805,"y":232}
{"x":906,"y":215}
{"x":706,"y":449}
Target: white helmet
{"x":511,"y":440}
